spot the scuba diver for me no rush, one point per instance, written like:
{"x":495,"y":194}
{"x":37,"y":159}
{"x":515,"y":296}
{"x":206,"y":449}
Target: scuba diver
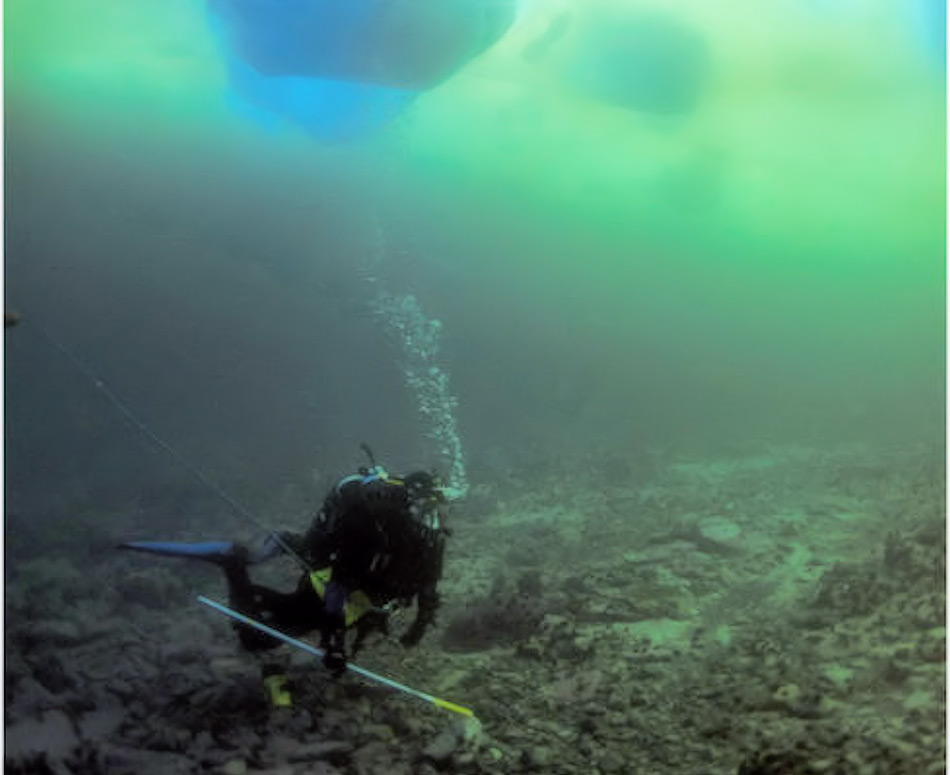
{"x":377,"y":540}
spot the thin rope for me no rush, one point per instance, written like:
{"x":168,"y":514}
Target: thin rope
{"x":132,"y":418}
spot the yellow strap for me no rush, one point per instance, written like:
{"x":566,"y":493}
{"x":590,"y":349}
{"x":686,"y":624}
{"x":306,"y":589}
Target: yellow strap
{"x":320,"y":579}
{"x":357,"y":603}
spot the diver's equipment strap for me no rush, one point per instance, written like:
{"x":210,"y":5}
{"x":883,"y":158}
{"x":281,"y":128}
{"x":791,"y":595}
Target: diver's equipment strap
{"x":303,"y":646}
{"x":320,"y":579}
{"x":357,"y":603}
{"x":367,"y":476}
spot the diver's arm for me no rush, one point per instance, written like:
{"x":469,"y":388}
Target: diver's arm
{"x":427,"y":603}
{"x":427,"y":599}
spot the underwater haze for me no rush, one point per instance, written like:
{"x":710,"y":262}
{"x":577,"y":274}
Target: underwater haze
{"x":760,"y":258}
{"x":519,"y":241}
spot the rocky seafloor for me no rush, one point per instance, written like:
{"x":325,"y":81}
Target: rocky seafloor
{"x":769,"y":614}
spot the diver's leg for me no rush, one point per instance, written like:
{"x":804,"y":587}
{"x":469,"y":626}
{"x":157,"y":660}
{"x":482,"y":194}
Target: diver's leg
{"x":272,"y":663}
{"x":251,"y":600}
{"x":293,"y":613}
{"x":275,"y":609}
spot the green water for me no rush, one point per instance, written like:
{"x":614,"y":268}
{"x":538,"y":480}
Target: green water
{"x":779,"y":250}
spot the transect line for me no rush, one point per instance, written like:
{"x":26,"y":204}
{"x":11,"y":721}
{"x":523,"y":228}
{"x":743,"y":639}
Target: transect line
{"x":131,"y":417}
{"x":304,"y":646}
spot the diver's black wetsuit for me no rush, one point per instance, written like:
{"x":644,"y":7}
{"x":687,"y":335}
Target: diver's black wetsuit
{"x":293,"y":613}
{"x":379,"y":536}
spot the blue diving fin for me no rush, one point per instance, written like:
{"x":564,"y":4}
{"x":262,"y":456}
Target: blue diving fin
{"x":210,"y":551}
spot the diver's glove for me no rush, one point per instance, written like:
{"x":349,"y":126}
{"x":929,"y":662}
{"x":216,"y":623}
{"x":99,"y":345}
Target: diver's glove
{"x":413,"y":635}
